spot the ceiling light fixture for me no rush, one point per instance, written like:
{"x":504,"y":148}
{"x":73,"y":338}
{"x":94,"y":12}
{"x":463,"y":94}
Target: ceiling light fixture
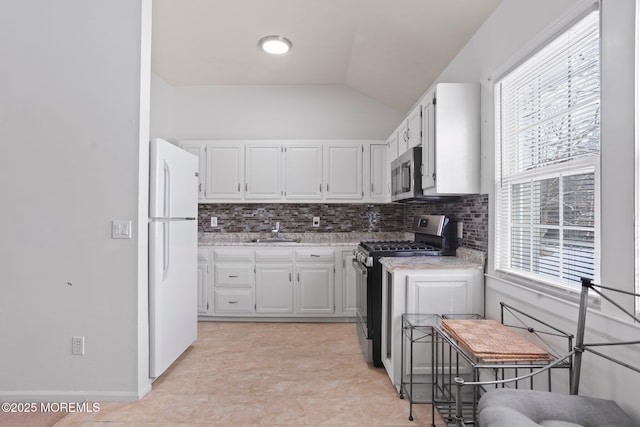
{"x":276,"y":45}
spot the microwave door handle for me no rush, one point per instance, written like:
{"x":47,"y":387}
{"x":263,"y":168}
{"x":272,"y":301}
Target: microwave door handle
{"x":406,"y":177}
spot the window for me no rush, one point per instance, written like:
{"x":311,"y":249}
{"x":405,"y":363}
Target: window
{"x":547,"y":164}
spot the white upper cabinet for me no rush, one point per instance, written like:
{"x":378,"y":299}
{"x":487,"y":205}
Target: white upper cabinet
{"x":429,"y":145}
{"x":303,"y":171}
{"x":393,"y":146}
{"x":379,"y":172}
{"x":309,"y":171}
{"x":451,"y":152}
{"x":343,"y":171}
{"x":225,"y":172}
{"x":197,"y":148}
{"x":409,"y":132}
{"x":263,"y":171}
{"x":414,"y":128}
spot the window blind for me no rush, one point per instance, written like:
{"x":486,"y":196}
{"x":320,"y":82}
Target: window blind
{"x":548,"y":146}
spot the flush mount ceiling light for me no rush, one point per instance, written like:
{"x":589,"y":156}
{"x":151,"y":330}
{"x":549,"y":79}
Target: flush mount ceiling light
{"x":276,"y":45}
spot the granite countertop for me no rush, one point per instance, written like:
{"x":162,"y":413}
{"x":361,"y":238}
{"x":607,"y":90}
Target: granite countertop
{"x":465,"y":258}
{"x":306,"y":239}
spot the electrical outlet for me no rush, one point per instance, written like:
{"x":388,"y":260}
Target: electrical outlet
{"x":316,"y":221}
{"x":214,"y":221}
{"x":459,"y":230}
{"x":77,"y":346}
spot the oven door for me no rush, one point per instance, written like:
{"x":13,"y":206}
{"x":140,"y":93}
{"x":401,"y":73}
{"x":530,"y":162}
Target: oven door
{"x":362,"y":276}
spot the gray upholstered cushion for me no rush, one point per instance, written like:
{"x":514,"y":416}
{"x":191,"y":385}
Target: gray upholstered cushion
{"x":527,"y":408}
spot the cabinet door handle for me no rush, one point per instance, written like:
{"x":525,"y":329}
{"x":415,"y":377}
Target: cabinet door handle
{"x":289,"y":276}
{"x":314,"y":256}
{"x":298,"y":277}
{"x":320,"y":188}
{"x":233,"y":276}
{"x":238,"y":187}
{"x":372,"y":187}
{"x":246,"y":187}
{"x":233,"y":302}
{"x":327,"y":188}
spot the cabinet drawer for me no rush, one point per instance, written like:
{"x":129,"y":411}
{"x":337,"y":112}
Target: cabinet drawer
{"x":274,"y":256}
{"x":233,"y":301}
{"x":234,"y":275}
{"x":314,"y":255}
{"x":231,"y":255}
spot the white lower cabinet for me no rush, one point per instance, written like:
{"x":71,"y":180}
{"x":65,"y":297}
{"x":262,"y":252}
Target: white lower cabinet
{"x":282,"y":281}
{"x":314,"y":293}
{"x":233,"y":301}
{"x":349,"y":305}
{"x":424,"y":291}
{"x":274,"y":289}
{"x":274,"y":281}
{"x":203,"y":281}
{"x":233,"y":282}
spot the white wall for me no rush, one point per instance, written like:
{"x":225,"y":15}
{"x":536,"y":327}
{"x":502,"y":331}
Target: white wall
{"x":516,"y":27}
{"x":71,"y":119}
{"x":268,"y":112}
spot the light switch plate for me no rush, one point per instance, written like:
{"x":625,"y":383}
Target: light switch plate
{"x":214,"y":221}
{"x":120,"y":229}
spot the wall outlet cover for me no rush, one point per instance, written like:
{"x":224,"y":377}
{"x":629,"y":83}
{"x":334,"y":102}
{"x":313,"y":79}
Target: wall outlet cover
{"x":214,"y":221}
{"x":316,"y":221}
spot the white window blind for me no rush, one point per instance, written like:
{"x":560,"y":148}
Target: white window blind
{"x":548,"y":147}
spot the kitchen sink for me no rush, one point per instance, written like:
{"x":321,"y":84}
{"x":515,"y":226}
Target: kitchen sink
{"x":274,"y":240}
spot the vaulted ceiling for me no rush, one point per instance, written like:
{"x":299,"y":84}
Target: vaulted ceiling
{"x":389,"y":50}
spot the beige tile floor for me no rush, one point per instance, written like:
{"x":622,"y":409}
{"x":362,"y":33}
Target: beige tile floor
{"x":266,"y":374}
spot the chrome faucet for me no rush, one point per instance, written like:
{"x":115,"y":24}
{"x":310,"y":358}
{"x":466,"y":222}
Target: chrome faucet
{"x":276,"y":230}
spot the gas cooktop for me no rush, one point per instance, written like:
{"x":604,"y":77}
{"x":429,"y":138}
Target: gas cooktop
{"x":403,"y":245}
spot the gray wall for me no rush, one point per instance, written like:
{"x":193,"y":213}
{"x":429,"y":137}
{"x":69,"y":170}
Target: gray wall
{"x":71,"y":122}
{"x":268,"y":112}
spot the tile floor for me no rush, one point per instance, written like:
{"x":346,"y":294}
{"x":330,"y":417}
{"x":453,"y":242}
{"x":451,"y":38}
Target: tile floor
{"x":266,"y":374}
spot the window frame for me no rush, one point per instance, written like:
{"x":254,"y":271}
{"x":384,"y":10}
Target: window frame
{"x":571,"y":167}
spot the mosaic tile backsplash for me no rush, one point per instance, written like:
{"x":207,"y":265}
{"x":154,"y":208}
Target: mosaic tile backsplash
{"x":346,"y":218}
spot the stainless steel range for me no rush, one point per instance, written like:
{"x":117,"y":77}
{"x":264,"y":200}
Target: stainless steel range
{"x":435,"y":235}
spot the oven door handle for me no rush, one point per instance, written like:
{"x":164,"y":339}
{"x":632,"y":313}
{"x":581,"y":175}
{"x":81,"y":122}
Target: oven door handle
{"x":360,"y":268}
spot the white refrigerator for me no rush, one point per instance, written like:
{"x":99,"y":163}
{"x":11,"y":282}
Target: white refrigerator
{"x":173,"y":248}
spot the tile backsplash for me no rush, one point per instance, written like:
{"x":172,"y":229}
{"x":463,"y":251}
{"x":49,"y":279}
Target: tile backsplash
{"x":346,"y":218}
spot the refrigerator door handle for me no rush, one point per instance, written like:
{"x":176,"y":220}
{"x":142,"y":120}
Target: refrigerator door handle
{"x":167,"y":190}
{"x":166,"y":248}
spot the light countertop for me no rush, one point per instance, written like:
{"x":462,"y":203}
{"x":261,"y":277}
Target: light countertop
{"x":306,"y":239}
{"x":465,"y":258}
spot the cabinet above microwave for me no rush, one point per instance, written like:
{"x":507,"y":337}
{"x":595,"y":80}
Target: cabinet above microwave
{"x":449,"y":137}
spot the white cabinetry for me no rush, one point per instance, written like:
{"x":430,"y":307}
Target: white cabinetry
{"x":303,"y":171}
{"x":203,"y":281}
{"x":409,"y":132}
{"x":263,"y":171}
{"x":392,"y":146}
{"x":451,"y":134}
{"x":233,"y":282}
{"x":315,"y":281}
{"x":379,"y":172}
{"x":309,"y":171}
{"x":424,"y":291}
{"x":278,"y":282}
{"x":225,"y":171}
{"x":197,"y":148}
{"x":348,"y":283}
{"x":343,"y":171}
{"x":274,"y":281}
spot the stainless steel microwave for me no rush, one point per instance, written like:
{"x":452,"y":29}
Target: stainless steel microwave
{"x":406,"y":176}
